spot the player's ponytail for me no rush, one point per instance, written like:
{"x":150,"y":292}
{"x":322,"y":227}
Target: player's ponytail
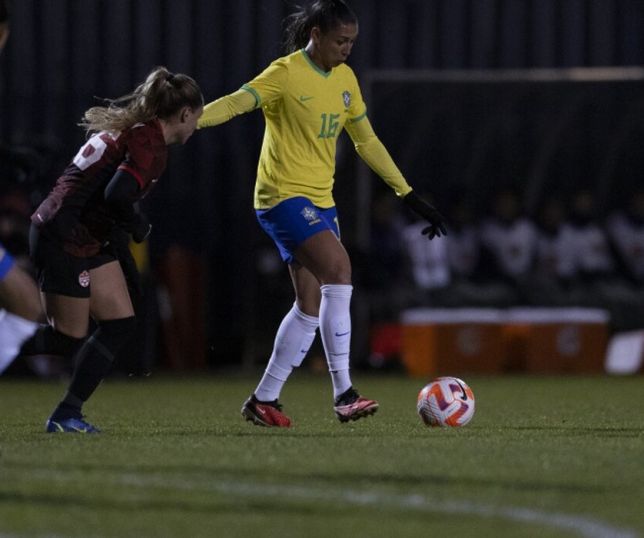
{"x":325,"y":14}
{"x":161,"y":95}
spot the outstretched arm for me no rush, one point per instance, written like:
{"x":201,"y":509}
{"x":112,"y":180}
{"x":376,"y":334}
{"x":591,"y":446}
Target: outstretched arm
{"x":227,"y":107}
{"x":373,"y":152}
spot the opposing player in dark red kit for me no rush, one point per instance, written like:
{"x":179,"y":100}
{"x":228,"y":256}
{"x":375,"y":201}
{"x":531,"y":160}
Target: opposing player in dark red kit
{"x":73,"y":230}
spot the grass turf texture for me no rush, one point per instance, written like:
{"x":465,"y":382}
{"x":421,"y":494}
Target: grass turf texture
{"x":542,"y":457}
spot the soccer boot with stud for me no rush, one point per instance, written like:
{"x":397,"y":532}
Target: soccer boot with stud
{"x":265,"y":413}
{"x":351,"y":406}
{"x":69,"y":425}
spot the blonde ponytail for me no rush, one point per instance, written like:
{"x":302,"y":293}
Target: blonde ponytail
{"x":161,"y":95}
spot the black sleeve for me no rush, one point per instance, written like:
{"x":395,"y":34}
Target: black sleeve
{"x":120,"y":194}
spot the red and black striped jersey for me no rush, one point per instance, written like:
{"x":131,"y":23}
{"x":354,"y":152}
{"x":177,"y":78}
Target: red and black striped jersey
{"x":75,"y":211}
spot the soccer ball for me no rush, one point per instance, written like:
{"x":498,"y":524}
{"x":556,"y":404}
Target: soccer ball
{"x":446,"y":401}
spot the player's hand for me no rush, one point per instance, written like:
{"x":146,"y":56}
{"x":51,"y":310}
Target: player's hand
{"x":427,"y":211}
{"x":140,"y":229}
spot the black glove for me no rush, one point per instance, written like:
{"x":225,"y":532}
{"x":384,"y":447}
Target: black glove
{"x":436,"y":221}
{"x":140,"y":228}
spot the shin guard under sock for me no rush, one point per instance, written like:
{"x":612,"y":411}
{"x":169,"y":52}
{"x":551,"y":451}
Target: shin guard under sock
{"x":335,"y":329}
{"x":292,"y":342}
{"x":95,"y":358}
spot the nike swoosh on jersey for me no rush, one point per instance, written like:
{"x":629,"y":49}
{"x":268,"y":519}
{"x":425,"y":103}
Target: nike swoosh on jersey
{"x":342,"y":334}
{"x":305,"y":97}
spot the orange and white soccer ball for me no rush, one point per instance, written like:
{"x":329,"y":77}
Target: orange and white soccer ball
{"x":446,"y":401}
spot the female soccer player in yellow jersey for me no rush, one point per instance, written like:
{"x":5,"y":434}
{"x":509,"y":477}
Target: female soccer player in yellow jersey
{"x":307,"y":99}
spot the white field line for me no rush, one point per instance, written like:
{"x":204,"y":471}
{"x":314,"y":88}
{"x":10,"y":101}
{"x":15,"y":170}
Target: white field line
{"x":583,"y":526}
{"x":586,"y":527}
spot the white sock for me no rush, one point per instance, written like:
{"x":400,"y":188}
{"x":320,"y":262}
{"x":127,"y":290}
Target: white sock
{"x":292,"y":342}
{"x":335,"y":329}
{"x":14,"y":330}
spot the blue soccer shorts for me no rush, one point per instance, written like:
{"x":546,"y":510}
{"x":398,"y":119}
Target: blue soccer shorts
{"x":293,"y":221}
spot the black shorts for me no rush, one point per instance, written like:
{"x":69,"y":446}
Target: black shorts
{"x":61,"y":273}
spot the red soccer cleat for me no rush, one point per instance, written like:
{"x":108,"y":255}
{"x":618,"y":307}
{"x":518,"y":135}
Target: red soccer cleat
{"x":265,"y":413}
{"x":351,"y":406}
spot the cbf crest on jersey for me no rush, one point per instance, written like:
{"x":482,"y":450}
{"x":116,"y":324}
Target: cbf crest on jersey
{"x":346,"y":97}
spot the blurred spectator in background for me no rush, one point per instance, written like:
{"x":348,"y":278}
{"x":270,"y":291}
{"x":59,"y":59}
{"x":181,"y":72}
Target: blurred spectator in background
{"x":464,"y":245}
{"x":452,"y":271}
{"x":584,"y":235}
{"x":597,"y":281}
{"x":383,"y":274}
{"x":626,"y":233}
{"x":554,"y":264}
{"x":508,"y":238}
{"x":428,"y":266}
{"x":469,"y":285}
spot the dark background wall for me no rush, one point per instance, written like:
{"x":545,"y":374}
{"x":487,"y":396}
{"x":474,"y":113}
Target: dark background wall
{"x":62,"y":53}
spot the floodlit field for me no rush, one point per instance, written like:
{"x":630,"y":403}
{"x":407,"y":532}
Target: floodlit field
{"x":543,"y":457}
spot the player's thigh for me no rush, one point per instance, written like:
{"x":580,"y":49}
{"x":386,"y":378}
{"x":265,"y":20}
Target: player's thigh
{"x":324,"y":255}
{"x":68,"y":315}
{"x":109,"y":297}
{"x":307,"y":289}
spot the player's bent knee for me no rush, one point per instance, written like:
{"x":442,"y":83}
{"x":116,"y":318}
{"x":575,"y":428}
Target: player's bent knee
{"x":336,"y":275}
{"x":309,"y":305}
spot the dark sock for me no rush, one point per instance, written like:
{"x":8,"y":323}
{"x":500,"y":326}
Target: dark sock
{"x":72,"y":401}
{"x":66,"y":410}
{"x":92,"y":366}
{"x":94,"y":361}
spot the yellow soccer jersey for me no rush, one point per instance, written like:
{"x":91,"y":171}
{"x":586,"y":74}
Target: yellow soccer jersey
{"x":305,"y":111}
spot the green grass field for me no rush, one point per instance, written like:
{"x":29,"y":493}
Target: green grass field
{"x":542,"y":457}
